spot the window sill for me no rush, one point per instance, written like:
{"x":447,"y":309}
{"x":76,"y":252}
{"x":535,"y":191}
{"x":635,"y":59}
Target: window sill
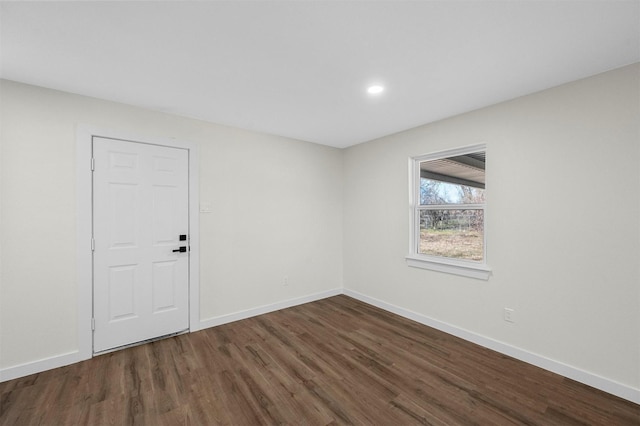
{"x":466,"y":269}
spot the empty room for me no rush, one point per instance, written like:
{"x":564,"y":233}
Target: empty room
{"x":320,"y":212}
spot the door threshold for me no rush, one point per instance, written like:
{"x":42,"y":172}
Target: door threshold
{"x":143,"y":342}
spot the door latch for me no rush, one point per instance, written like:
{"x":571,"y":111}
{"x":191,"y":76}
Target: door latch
{"x":180,"y":250}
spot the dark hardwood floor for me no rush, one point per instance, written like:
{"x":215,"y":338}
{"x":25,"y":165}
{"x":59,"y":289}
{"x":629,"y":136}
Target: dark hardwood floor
{"x":335,"y":361}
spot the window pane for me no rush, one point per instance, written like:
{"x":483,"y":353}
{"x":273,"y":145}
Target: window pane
{"x":437,"y":192}
{"x":452,"y":233}
{"x":458,"y":179}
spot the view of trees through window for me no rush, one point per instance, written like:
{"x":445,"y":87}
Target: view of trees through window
{"x":451,"y":213}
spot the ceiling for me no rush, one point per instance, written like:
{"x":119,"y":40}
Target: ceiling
{"x":300,"y":69}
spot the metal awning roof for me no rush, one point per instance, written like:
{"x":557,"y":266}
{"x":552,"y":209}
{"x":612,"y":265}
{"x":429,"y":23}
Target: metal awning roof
{"x":468,"y":169}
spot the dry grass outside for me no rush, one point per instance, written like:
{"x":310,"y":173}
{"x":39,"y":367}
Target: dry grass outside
{"x":452,"y":243}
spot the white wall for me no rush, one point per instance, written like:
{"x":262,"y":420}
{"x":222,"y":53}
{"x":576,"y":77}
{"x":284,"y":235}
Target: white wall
{"x":277,"y":210}
{"x":563,"y":236}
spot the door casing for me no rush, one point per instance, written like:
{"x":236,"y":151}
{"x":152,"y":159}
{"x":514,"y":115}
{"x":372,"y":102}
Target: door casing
{"x":84,"y":194}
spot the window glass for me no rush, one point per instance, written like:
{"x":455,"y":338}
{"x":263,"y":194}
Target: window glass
{"x":450,"y":197}
{"x":457,"y":234}
{"x":436,"y":192}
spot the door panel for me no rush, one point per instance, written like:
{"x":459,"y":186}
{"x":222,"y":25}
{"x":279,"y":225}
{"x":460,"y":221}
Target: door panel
{"x":164,"y":288}
{"x":122,"y":292}
{"x":123,"y":199}
{"x":163,"y":215}
{"x":140,"y":208}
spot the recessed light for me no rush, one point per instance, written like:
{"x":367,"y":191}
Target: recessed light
{"x":375,"y":90}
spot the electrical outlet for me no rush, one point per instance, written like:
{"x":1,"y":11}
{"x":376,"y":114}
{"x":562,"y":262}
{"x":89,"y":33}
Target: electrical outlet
{"x":509,"y":315}
{"x":285,"y":280}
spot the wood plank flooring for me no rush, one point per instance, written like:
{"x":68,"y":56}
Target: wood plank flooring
{"x":334,"y":361}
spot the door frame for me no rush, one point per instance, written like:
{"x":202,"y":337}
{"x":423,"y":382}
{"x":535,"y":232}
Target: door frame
{"x":84,"y":232}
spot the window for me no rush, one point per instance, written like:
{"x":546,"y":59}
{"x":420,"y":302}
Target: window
{"x":448,"y":212}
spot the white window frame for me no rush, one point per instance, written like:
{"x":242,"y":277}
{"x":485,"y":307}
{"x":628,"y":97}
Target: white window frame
{"x":466,"y":268}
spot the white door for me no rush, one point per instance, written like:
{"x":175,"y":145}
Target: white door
{"x":140,"y":223}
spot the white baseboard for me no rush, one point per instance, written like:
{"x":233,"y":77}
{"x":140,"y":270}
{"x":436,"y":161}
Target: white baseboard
{"x":265,"y":309}
{"x":41,"y":365}
{"x":606,"y":385}
{"x":62,"y":360}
